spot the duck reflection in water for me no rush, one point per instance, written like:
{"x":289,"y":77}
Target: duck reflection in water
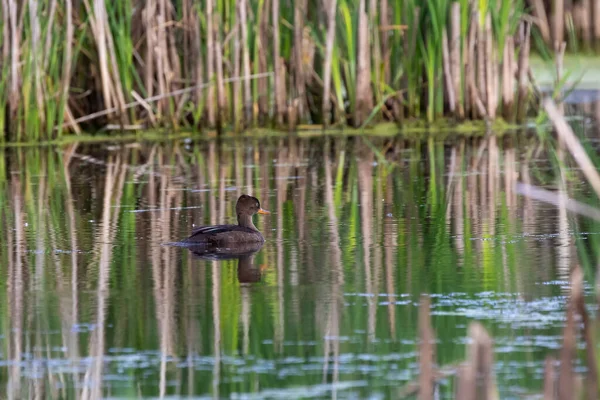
{"x":247,"y":270}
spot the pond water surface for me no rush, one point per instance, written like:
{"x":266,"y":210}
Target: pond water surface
{"x":96,"y":305}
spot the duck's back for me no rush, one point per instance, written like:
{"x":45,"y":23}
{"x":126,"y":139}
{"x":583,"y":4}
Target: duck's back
{"x":224,"y":235}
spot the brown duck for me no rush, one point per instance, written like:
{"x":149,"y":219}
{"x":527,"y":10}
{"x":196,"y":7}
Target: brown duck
{"x":231,"y":235}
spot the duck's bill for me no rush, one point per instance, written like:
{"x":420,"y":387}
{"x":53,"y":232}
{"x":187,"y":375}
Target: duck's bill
{"x":262,"y":211}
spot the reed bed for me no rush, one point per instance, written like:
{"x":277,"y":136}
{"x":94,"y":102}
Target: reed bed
{"x":574,"y":22}
{"x":230,"y":64}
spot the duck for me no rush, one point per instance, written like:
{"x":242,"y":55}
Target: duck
{"x":232,"y":235}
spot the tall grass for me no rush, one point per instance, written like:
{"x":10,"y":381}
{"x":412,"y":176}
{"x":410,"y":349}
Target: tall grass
{"x":72,"y":66}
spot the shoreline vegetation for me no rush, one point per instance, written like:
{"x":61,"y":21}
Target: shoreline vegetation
{"x":71,"y":67}
{"x":440,"y":130}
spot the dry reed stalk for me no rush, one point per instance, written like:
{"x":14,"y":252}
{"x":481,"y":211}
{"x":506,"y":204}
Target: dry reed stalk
{"x":15,"y":58}
{"x":298,"y":65}
{"x":277,"y":82}
{"x":35,"y":37}
{"x":426,"y":351}
{"x":490,"y":88}
{"x":481,"y":356}
{"x":455,"y":62}
{"x":326,"y":106}
{"x":573,"y":144}
{"x":237,"y":86}
{"x":218,"y":46}
{"x":475,"y":102}
{"x":242,"y":9}
{"x":364,"y":94}
{"x":281,"y":93}
{"x":496,"y":76}
{"x":196,"y":56}
{"x":188,"y":23}
{"x":525,"y":33}
{"x":110,"y":80}
{"x":469,"y":62}
{"x":467,"y":383}
{"x":508,"y":79}
{"x":448,"y":79}
{"x":566,"y":378}
{"x":210,"y":63}
{"x":6,"y":31}
{"x":558,"y":21}
{"x":586,"y":22}
{"x":116,"y":78}
{"x":146,"y":106}
{"x":150,"y":45}
{"x":172,"y":56}
{"x":292,"y":114}
{"x":375,"y":54}
{"x":539,"y":12}
{"x":66,"y":72}
{"x":384,"y":20}
{"x":71,"y":121}
{"x":263,"y":94}
{"x":591,"y":378}
{"x":98,"y":27}
{"x":161,"y":66}
{"x":596,"y":22}
{"x":480,"y":48}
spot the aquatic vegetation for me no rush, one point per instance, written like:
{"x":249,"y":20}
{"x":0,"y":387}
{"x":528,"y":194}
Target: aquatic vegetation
{"x":228,"y":64}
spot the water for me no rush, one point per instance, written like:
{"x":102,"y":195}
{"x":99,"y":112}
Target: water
{"x":96,"y":305}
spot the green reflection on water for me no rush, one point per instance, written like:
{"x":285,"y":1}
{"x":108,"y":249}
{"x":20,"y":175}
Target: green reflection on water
{"x":95,"y":304}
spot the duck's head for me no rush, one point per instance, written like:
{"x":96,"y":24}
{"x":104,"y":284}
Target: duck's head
{"x":248,"y":205}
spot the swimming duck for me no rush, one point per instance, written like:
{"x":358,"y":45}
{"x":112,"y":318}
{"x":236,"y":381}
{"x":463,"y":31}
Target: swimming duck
{"x":231,"y":235}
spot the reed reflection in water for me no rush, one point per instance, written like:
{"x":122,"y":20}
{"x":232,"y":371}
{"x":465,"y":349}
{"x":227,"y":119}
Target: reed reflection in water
{"x":96,"y":305}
